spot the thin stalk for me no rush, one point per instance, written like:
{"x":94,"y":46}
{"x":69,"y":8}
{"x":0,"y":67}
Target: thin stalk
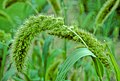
{"x":65,"y":20}
{"x":78,"y":37}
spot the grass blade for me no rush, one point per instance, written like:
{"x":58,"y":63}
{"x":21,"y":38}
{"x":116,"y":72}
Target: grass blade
{"x":45,"y":52}
{"x":3,"y":60}
{"x":114,"y":63}
{"x":8,"y":3}
{"x":99,"y":68}
{"x":54,"y":54}
{"x":8,"y":74}
{"x":70,"y":61}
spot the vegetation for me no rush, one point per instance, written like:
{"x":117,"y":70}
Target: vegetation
{"x":59,"y":40}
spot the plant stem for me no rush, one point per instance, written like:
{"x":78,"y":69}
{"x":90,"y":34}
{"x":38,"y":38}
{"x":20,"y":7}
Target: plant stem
{"x":78,"y":37}
{"x":65,"y":20}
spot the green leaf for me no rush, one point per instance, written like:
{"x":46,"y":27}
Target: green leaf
{"x":17,"y":79}
{"x":3,"y":60}
{"x":46,"y":52}
{"x":54,"y":54}
{"x":8,"y":3}
{"x":114,"y":63}
{"x":8,"y":74}
{"x":99,"y":68}
{"x":4,"y":15}
{"x":27,"y":78}
{"x":46,"y":47}
{"x":55,"y":6}
{"x":1,"y":45}
{"x":33,"y":75}
{"x":87,"y":19}
{"x":71,"y":60}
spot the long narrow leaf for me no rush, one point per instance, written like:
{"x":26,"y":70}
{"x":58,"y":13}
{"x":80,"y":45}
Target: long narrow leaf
{"x":71,"y":60}
{"x":54,"y":54}
{"x":8,"y":74}
{"x":45,"y":52}
{"x":3,"y":60}
{"x":114,"y":63}
{"x":8,"y":3}
{"x":99,"y":68}
{"x":4,"y":15}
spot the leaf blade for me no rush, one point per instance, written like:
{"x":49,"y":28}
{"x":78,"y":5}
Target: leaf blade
{"x":70,"y":61}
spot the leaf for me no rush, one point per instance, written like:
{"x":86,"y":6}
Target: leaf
{"x":55,"y":6}
{"x":42,"y":4}
{"x":54,"y":54}
{"x":8,"y":74}
{"x":33,"y":75}
{"x":1,"y":45}
{"x":46,"y":47}
{"x":99,"y":68}
{"x":71,"y":60}
{"x":8,"y":3}
{"x":4,"y":15}
{"x":27,"y":78}
{"x":45,"y":52}
{"x":17,"y":79}
{"x":87,"y":19}
{"x":114,"y":63}
{"x":4,"y":54}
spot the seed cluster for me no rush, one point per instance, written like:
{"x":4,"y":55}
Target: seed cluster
{"x":55,"y":26}
{"x":92,"y":43}
{"x":24,"y":36}
{"x":105,"y":11}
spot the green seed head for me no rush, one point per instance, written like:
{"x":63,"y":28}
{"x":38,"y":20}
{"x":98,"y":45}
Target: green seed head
{"x":105,"y":11}
{"x":55,"y":26}
{"x":26,"y":33}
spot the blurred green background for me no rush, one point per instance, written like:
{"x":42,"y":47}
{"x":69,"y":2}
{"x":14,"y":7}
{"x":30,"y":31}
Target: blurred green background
{"x":49,"y":52}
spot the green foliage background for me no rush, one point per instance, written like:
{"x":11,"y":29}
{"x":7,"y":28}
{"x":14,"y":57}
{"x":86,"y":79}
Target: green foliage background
{"x":49,"y":52}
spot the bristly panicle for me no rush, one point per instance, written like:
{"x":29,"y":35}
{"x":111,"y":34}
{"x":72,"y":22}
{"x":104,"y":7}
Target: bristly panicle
{"x":105,"y":11}
{"x":92,"y":43}
{"x":26,"y":33}
{"x":55,"y":26}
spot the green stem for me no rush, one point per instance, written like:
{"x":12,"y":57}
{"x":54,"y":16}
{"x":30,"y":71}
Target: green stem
{"x":78,"y":37}
{"x":65,"y":20}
